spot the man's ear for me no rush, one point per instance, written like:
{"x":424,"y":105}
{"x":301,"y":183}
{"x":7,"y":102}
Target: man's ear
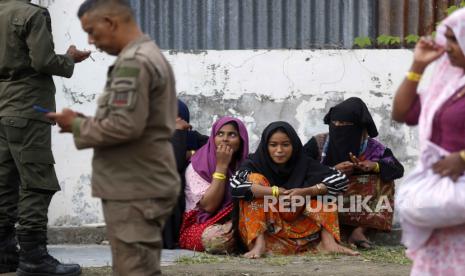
{"x":111,"y":22}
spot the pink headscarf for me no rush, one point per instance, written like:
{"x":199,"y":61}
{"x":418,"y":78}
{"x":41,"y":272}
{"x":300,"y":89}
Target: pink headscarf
{"x":446,"y":79}
{"x":204,"y":160}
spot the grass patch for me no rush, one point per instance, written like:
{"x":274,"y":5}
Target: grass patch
{"x":202,"y":258}
{"x":322,"y":256}
{"x":386,"y":254}
{"x":278,"y":260}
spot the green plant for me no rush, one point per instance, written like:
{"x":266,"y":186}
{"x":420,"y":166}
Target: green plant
{"x":411,"y":38}
{"x":453,"y":8}
{"x":387,"y":254}
{"x":388,"y":40}
{"x":202,"y":258}
{"x":362,"y":41}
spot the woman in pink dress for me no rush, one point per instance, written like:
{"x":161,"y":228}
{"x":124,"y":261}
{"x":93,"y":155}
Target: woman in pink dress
{"x":207,"y":224}
{"x":439,"y":111}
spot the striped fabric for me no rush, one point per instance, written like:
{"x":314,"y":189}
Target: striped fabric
{"x":336,"y":183}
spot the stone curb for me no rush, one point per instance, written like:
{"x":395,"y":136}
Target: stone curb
{"x":96,"y":235}
{"x":76,"y":235}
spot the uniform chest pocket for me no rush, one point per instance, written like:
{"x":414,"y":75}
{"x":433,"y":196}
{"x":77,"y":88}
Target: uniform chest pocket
{"x":18,"y":25}
{"x":102,"y":106}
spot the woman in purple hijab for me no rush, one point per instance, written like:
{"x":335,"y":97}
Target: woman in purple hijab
{"x":207,"y":220}
{"x":350,"y":147}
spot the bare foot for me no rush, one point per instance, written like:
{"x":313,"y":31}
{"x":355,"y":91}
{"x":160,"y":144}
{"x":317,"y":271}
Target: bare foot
{"x":328,"y":244}
{"x":358,"y":238}
{"x":258,"y":249}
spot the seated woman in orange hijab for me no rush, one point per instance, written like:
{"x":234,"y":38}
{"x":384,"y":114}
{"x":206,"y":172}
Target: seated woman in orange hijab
{"x":279,"y":168}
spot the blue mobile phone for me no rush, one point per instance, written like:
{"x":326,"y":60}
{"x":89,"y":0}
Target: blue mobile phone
{"x":40,"y":109}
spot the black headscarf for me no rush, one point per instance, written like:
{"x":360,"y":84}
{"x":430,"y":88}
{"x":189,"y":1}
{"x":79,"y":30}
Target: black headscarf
{"x":346,"y":139}
{"x":300,"y":171}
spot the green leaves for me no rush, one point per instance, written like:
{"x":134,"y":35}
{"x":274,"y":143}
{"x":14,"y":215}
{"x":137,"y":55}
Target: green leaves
{"x":453,"y":8}
{"x":362,"y":42}
{"x":388,"y":40}
{"x":412,"y":39}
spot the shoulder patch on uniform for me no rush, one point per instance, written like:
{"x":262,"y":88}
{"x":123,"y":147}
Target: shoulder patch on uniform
{"x":122,"y":98}
{"x":125,"y":72}
{"x":123,"y":83}
{"x":123,"y":92}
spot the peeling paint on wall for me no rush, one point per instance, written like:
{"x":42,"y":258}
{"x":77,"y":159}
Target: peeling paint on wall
{"x":77,"y":97}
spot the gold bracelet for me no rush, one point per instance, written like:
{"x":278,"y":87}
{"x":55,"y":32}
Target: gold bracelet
{"x":219,"y":176}
{"x":462,"y":155}
{"x":376,"y":168}
{"x":412,"y":76}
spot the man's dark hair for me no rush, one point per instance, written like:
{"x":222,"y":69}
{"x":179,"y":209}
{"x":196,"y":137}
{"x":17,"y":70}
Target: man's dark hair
{"x":121,"y":6}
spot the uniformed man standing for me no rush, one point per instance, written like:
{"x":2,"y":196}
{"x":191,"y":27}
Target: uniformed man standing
{"x":134,"y":170}
{"x":27,"y":176}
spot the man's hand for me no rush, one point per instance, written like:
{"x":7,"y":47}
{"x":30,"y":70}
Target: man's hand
{"x":182,"y":125}
{"x":63,"y":119}
{"x":76,"y":54}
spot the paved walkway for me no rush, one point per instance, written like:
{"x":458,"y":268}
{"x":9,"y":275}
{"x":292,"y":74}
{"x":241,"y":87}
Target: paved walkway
{"x":100,"y":255}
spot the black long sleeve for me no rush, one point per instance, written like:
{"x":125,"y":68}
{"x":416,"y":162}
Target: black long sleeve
{"x":311,"y":149}
{"x":389,"y":167}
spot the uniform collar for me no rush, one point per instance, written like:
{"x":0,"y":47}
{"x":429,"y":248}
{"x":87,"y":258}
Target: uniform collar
{"x":139,"y":40}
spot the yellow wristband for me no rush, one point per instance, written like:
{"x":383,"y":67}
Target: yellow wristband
{"x":412,"y":76}
{"x":275,"y":191}
{"x":376,"y":168}
{"x":462,"y":155}
{"x":219,"y":176}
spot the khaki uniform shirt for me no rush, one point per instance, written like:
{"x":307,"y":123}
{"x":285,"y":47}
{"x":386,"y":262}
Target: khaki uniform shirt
{"x":28,"y":60}
{"x":132,"y":128}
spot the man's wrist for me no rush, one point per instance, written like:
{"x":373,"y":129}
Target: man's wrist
{"x":76,"y":126}
{"x":70,"y":57}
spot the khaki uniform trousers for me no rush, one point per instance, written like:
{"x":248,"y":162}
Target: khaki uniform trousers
{"x":134,"y":230}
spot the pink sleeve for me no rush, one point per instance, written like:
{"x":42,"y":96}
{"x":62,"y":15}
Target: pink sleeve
{"x":414,"y":113}
{"x":196,"y":187}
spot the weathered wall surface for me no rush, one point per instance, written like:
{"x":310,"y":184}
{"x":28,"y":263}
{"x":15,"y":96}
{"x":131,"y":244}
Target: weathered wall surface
{"x":258,"y":86}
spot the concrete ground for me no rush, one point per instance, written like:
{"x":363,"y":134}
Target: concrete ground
{"x":82,"y":245}
{"x":100,"y":255}
{"x":385,"y":260}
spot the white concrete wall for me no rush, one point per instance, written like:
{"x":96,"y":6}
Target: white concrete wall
{"x":258,"y":86}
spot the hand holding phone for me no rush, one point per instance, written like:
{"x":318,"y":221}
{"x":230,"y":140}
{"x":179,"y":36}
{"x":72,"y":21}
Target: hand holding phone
{"x":41,"y":109}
